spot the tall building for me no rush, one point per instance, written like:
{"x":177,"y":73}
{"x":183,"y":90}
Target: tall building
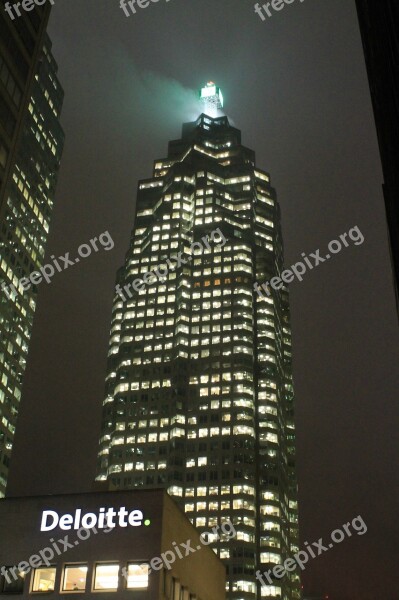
{"x":31,"y":143}
{"x":379,"y":25}
{"x":199,"y":395}
{"x":21,"y":44}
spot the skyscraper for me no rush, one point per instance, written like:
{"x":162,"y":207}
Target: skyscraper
{"x":199,"y":395}
{"x":21,"y":44}
{"x":379,"y":26}
{"x":31,"y":143}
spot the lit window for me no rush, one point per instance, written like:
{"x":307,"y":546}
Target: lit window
{"x":185,"y":594}
{"x":74,"y":578}
{"x":269,"y":557}
{"x":270,"y":590}
{"x":137,"y":576}
{"x":176,"y":589}
{"x":106,"y":578}
{"x":43,"y":579}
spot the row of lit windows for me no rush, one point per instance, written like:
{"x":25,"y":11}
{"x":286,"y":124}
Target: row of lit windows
{"x":191,"y":433}
{"x":232,"y":349}
{"x":238,"y":504}
{"x":194,"y":434}
{"x":214,"y":490}
{"x":215,"y":404}
{"x":107,"y":577}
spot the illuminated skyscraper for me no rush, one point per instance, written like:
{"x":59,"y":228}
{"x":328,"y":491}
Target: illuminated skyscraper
{"x":199,"y":394}
{"x":31,"y":142}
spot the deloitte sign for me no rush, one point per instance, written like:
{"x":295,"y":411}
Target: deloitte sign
{"x":105,"y":518}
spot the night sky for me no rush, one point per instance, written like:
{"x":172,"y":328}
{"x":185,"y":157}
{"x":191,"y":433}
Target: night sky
{"x":296,"y":86}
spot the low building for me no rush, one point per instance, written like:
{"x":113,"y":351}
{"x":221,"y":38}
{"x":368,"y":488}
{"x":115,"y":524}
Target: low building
{"x":133,"y":544}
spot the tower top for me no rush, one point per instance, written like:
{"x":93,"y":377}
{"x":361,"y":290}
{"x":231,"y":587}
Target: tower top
{"x":212,"y":98}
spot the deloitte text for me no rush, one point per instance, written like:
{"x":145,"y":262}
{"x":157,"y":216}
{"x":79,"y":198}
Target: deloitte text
{"x":103,"y":519}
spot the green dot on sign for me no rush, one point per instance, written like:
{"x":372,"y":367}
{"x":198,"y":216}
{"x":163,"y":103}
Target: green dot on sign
{"x":147,"y":522}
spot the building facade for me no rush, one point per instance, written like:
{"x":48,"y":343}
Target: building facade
{"x":199,"y":394}
{"x":379,"y":26}
{"x":21,"y":43}
{"x":118,"y":545}
{"x":31,"y":143}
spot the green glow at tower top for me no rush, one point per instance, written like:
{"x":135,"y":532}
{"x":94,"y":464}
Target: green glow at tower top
{"x":211,"y":96}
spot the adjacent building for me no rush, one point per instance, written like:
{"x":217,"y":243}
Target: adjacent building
{"x":117,"y":545}
{"x":379,"y":26}
{"x":199,"y":394}
{"x":31,"y":143}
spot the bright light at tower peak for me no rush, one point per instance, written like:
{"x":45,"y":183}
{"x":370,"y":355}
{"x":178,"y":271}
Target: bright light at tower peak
{"x":212,"y":98}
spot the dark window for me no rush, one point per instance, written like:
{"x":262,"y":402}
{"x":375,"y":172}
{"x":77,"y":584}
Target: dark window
{"x":12,"y":582}
{"x":11,"y":45}
{"x":7,"y":118}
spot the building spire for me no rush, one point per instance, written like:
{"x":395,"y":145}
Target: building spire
{"x":212,"y":98}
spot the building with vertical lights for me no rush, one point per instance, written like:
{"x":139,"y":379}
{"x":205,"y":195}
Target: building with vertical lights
{"x":31,"y":143}
{"x":199,"y":395}
{"x":21,"y":43}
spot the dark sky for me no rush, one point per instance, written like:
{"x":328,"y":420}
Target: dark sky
{"x":296,"y":86}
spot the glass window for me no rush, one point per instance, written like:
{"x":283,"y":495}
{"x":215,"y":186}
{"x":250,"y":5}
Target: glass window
{"x":137,"y":576}
{"x":74,"y":578}
{"x":106,"y":577}
{"x":185,"y":594}
{"x":176,"y":589}
{"x":43,"y":579}
{"x":12,"y":581}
